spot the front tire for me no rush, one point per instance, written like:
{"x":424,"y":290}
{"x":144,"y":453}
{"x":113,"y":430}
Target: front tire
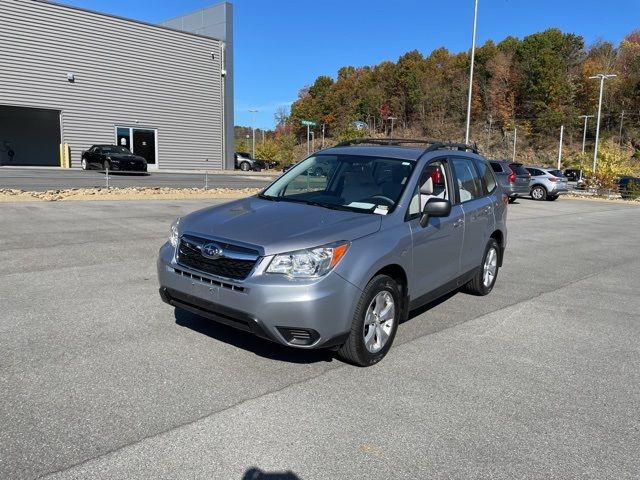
{"x":483,"y":281}
{"x":539,"y":192}
{"x":83,"y":164}
{"x":245,"y":167}
{"x":375,"y":323}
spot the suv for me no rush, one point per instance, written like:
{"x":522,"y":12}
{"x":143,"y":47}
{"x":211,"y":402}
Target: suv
{"x":244,"y":162}
{"x":512,"y":177}
{"x":339,"y":261}
{"x":547,"y":183}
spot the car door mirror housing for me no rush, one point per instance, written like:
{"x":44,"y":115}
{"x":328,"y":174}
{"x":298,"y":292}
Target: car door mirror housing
{"x":435,"y":207}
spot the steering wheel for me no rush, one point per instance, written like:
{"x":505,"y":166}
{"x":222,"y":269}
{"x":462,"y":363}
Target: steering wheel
{"x":380,"y":199}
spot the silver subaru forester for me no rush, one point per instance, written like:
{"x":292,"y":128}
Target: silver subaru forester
{"x":339,"y":259}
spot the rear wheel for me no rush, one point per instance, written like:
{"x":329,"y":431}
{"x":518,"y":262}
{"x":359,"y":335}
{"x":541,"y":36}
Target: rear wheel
{"x":539,"y":192}
{"x":245,"y":167}
{"x":483,"y":281}
{"x":374,"y":324}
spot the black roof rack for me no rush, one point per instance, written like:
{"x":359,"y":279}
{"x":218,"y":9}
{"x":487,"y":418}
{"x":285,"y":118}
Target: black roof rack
{"x":432,"y":145}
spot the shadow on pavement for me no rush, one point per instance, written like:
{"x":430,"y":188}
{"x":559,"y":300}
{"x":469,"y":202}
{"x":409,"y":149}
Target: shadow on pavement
{"x":126,"y":174}
{"x":420,"y":310}
{"x":249,"y":342}
{"x":257,"y":474}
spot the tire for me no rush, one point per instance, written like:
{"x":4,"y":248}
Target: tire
{"x":83,"y":164}
{"x":106,"y":166}
{"x":245,"y":167}
{"x":479,"y":285}
{"x":539,"y":193}
{"x":365,"y":347}
{"x":552,"y":198}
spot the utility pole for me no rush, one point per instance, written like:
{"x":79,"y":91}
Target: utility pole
{"x":489,"y":133}
{"x":473,"y":54}
{"x":602,"y":77}
{"x":560,"y":146}
{"x":253,"y":131}
{"x":515,"y":137}
{"x":620,"y":135}
{"x":584,"y":133}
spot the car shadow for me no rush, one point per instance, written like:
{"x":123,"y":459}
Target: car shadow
{"x":126,"y":174}
{"x":428,"y":306}
{"x":257,"y":474}
{"x":250,"y":342}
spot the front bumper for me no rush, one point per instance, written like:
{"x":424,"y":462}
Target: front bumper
{"x":128,"y":166}
{"x":299,"y":313}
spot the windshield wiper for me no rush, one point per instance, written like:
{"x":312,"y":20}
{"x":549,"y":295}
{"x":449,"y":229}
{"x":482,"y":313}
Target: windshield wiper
{"x":331,"y":206}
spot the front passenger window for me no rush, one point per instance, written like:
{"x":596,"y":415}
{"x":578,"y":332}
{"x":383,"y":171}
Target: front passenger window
{"x":469,"y":186}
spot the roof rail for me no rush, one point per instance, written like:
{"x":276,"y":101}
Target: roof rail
{"x":433,"y":145}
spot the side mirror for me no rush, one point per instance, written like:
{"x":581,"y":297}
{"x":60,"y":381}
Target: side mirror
{"x":435,"y":207}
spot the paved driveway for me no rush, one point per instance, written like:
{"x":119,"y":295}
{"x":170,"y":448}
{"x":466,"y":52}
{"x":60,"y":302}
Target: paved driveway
{"x":99,"y":379}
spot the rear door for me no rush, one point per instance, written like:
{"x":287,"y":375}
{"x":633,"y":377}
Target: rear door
{"x":477,"y":207}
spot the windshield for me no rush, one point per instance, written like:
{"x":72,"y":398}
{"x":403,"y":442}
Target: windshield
{"x":345,"y":182}
{"x":115,"y":149}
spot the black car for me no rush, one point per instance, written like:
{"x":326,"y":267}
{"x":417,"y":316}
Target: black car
{"x":629,"y":187}
{"x":112,"y":157}
{"x":244,"y":162}
{"x":573,"y":174}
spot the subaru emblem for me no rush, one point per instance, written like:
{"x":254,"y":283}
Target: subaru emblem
{"x":212,"y":251}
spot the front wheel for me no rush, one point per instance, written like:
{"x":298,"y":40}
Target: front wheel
{"x":482,"y":283}
{"x":245,"y":167}
{"x":374,"y":324}
{"x":538,"y":193}
{"x":83,"y":164}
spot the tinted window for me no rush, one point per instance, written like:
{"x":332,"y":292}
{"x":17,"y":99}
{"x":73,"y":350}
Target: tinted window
{"x":534,"y":171}
{"x":487,"y":180}
{"x":556,"y":173}
{"x":518,"y":169}
{"x":496,"y":167}
{"x":467,"y":179}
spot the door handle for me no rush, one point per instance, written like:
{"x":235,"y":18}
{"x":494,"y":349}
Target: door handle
{"x":458,"y":223}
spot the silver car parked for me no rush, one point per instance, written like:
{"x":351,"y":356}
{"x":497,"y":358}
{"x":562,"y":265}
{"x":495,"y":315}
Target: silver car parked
{"x":512,"y":177}
{"x":547,"y":183}
{"x":339,"y":260}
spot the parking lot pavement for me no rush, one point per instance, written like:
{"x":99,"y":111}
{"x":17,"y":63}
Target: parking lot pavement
{"x":40,"y":179}
{"x":99,"y":379}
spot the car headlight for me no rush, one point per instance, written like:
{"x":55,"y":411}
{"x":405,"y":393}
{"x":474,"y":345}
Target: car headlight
{"x":174,"y":236}
{"x":308,"y":263}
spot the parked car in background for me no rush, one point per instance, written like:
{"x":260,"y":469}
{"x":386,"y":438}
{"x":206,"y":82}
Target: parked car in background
{"x":339,"y":261}
{"x":547,"y":183}
{"x":112,"y":157}
{"x":512,"y":177}
{"x":629,"y":187}
{"x":573,"y":174}
{"x":244,"y":162}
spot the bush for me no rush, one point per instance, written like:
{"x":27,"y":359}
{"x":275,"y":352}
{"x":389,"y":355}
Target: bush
{"x":613,"y":163}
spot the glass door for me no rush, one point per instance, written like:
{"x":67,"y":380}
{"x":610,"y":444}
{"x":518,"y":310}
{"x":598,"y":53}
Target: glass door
{"x":141,"y":141}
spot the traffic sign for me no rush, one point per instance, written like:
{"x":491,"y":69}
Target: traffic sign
{"x":308,"y":123}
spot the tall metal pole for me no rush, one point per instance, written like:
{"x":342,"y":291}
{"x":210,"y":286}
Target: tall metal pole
{"x":620,"y":135}
{"x":253,"y":131}
{"x":308,"y":144}
{"x":584,"y":133}
{"x":489,"y":133}
{"x":473,"y":54}
{"x":515,"y":137}
{"x":601,"y":77}
{"x":323,"y":135}
{"x":560,"y":146}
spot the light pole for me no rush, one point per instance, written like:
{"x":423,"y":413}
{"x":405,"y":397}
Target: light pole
{"x":515,"y":137}
{"x":323,"y":135}
{"x":584,"y":133}
{"x":473,"y":54}
{"x":253,"y":131}
{"x":620,"y":135}
{"x":602,"y":77}
{"x":560,"y":146}
{"x":393,"y":119}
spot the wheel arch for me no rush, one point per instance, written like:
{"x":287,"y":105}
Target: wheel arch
{"x":398,"y":274}
{"x":498,"y":236}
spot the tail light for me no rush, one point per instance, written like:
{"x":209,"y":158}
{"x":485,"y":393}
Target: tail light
{"x":512,"y":176}
{"x":553,"y":179}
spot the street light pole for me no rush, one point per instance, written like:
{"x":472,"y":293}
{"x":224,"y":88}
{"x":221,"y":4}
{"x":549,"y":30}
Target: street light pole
{"x":515,"y":137}
{"x":602,"y":77}
{"x":560,"y":146}
{"x":253,"y":131}
{"x":620,"y":135}
{"x":473,"y":54}
{"x":584,"y":133}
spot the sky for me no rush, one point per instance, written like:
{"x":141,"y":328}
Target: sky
{"x":280,"y":46}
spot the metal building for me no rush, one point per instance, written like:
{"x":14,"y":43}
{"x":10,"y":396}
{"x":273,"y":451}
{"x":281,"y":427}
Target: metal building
{"x":78,"y":77}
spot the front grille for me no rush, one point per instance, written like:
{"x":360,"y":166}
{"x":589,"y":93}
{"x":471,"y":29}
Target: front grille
{"x":236,"y":262}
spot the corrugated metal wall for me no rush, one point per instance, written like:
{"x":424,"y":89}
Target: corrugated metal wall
{"x":126,"y":73}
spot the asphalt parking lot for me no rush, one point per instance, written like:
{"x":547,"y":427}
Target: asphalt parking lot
{"x":100,"y":379}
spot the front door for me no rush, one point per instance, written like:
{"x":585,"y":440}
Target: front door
{"x":436,"y":247}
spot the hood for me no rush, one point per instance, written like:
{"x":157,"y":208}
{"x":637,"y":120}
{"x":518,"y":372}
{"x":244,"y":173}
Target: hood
{"x":277,"y":227}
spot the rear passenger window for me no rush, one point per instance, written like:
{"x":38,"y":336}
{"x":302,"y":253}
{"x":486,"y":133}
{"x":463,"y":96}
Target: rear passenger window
{"x":467,"y":179}
{"x":487,"y":180}
{"x":496,"y":167}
